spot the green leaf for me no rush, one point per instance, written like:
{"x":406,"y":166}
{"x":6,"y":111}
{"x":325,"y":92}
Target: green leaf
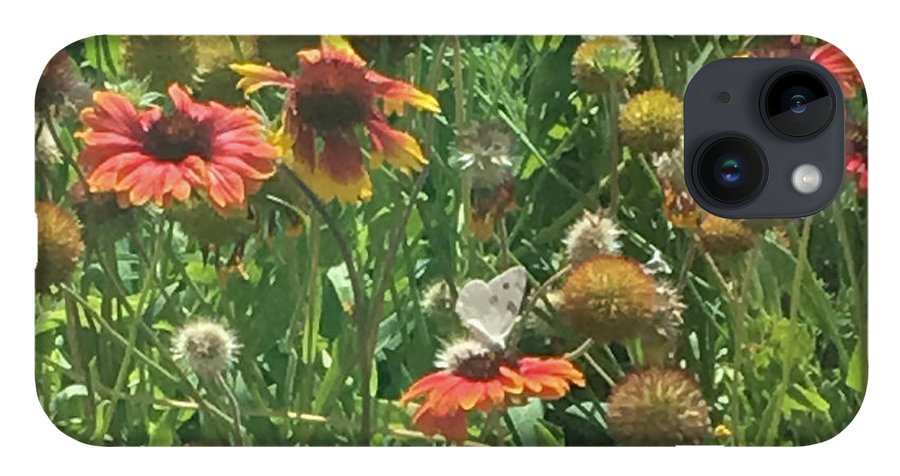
{"x":545,"y":437}
{"x":525,"y":420}
{"x":49,"y":320}
{"x":201,"y":272}
{"x":162,"y":432}
{"x":812,"y":396}
{"x":856,"y":370}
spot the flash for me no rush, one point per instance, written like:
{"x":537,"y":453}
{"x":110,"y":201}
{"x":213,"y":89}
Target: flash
{"x":807,"y":178}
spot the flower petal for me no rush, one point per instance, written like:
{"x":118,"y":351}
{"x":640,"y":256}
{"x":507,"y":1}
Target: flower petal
{"x":254,"y":77}
{"x":402,"y":91}
{"x":336,"y":47}
{"x":338,"y":172}
{"x":398,"y":148}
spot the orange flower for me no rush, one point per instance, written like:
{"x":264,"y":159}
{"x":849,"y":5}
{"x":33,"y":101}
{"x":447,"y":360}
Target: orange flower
{"x":331,"y":96}
{"x":149,"y":154}
{"x":478,"y":378}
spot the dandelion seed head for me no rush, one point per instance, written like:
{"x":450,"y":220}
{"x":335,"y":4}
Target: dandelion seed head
{"x":206,"y":347}
{"x":594,"y":234}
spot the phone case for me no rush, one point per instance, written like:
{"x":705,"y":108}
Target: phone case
{"x":424,"y":240}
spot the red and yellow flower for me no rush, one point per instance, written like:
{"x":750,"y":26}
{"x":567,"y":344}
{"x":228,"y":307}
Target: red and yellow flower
{"x":331,"y":97}
{"x":152,"y":154}
{"x":477,"y":378}
{"x":838,"y":64}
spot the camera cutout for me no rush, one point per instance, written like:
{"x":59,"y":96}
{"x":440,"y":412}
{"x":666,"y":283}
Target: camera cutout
{"x":742,"y":155}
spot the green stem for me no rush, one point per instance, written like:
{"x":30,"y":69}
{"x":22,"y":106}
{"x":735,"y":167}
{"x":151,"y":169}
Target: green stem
{"x":342,"y":243}
{"x":775,"y":404}
{"x":237,"y":47}
{"x":654,"y":62}
{"x":458,"y":86}
{"x":73,"y":328}
{"x":136,"y":316}
{"x":369,"y":333}
{"x":239,"y":435}
{"x":107,"y":53}
{"x":858,"y":292}
{"x":614,"y":151}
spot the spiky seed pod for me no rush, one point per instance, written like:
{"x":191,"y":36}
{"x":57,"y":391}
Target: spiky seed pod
{"x":725,"y":236}
{"x":658,"y":407}
{"x":612,"y":298}
{"x":206,"y":347}
{"x":164,"y":59}
{"x":216,"y":80}
{"x":281,"y":51}
{"x":57,"y":80}
{"x":59,"y":245}
{"x":210,"y":227}
{"x":652,"y":121}
{"x":603,"y":63}
{"x":214,"y":51}
{"x":101,"y":214}
{"x":592,"y":235}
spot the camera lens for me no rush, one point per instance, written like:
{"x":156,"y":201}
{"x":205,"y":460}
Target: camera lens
{"x":731,"y":170}
{"x":798,"y":103}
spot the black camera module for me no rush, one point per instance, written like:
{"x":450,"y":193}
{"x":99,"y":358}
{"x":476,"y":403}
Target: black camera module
{"x":797,"y":103}
{"x":731,"y":170}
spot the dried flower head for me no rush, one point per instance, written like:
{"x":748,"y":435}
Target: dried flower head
{"x":679,"y":206}
{"x":206,"y":347}
{"x":724,"y":236}
{"x":59,"y":245}
{"x":613,"y":298}
{"x":57,"y":80}
{"x":658,"y":407}
{"x":602,"y":63}
{"x":163,"y":59}
{"x":486,"y":154}
{"x":101,"y":214}
{"x":592,"y":235}
{"x":652,"y":121}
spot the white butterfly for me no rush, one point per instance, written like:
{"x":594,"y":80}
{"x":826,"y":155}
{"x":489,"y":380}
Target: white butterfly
{"x":489,"y":310}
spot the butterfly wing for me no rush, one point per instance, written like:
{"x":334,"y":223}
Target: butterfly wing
{"x":489,"y":310}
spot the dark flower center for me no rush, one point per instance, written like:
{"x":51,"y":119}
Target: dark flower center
{"x":176,"y":136}
{"x":332,"y":95}
{"x":486,"y":366}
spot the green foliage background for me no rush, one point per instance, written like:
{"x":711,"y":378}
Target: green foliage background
{"x":782,"y":363}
